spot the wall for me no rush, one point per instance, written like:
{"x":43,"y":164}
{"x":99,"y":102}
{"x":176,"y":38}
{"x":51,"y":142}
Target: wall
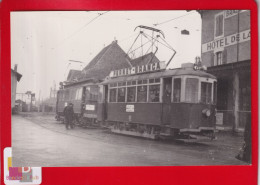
{"x":231,"y":27}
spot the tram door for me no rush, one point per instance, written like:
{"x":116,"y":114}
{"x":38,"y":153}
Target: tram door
{"x":167,"y":94}
{"x":83,"y":99}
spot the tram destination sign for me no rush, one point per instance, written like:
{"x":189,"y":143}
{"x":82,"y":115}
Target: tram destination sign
{"x":138,"y":69}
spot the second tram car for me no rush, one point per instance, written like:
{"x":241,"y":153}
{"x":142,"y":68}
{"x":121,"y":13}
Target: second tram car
{"x":84,"y":99}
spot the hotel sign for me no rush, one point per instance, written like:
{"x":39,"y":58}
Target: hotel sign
{"x":138,"y":69}
{"x":226,"y":41}
{"x":231,"y":13}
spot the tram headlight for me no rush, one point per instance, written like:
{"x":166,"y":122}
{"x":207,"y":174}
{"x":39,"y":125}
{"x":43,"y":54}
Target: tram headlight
{"x":206,"y":112}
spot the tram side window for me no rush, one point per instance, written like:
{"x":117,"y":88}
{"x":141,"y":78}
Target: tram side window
{"x":191,"y":91}
{"x":121,"y":94}
{"x":177,"y":90}
{"x":206,"y":89}
{"x":142,"y":93}
{"x":112,"y":95}
{"x":154,"y":93}
{"x":131,"y":94}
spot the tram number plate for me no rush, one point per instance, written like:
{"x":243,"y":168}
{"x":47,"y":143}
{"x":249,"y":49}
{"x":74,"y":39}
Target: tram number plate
{"x":130,"y":108}
{"x":219,"y":118}
{"x":90,"y":107}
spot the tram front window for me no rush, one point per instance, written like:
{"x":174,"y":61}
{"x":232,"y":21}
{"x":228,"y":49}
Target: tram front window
{"x":206,"y":89}
{"x":191,"y":90}
{"x":78,"y":94}
{"x":92,"y":93}
{"x":177,"y":90}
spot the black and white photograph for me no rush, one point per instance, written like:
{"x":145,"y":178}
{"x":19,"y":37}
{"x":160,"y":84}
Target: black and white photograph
{"x":131,"y":88}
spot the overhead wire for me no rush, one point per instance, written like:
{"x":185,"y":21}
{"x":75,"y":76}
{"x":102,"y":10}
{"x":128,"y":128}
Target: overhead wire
{"x":173,"y":19}
{"x":81,"y":28}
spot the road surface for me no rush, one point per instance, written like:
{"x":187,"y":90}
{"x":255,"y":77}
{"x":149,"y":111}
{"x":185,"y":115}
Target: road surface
{"x":39,"y":140}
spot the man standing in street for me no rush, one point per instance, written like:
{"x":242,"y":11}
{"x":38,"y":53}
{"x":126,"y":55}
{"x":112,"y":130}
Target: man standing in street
{"x":69,"y":115}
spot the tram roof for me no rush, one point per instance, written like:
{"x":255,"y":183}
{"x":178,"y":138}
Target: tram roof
{"x":160,"y":74}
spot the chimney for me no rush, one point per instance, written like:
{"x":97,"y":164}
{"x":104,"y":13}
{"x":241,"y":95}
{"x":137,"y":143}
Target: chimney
{"x":15,"y":67}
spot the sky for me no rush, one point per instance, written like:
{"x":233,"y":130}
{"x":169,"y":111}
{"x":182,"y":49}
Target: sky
{"x":44,"y":42}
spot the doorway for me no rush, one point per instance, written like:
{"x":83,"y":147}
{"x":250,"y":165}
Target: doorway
{"x":166,"y":98}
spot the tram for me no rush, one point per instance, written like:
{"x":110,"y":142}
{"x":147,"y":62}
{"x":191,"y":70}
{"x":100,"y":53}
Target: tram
{"x":177,"y":103}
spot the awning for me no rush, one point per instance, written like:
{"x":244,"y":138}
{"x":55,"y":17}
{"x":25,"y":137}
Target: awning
{"x":227,"y":69}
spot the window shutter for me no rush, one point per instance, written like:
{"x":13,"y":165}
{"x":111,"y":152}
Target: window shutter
{"x":219,"y":20}
{"x":212,"y":59}
{"x":220,"y":24}
{"x":217,"y":26}
{"x":224,"y":55}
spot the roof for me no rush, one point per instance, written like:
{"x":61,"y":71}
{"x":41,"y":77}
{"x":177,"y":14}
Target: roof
{"x":166,"y":73}
{"x":73,"y":74}
{"x":88,"y":81}
{"x":109,"y":58}
{"x":19,"y":101}
{"x":18,"y":75}
{"x":94,"y":61}
{"x":145,"y":59}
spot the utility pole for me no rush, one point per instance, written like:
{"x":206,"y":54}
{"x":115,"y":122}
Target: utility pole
{"x":39,"y":101}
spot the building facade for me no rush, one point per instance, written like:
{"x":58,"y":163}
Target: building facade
{"x":226,"y":51}
{"x":26,"y":100}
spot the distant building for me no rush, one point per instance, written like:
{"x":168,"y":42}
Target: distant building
{"x":15,"y":77}
{"x":20,"y":106}
{"x":49,"y":104}
{"x":28,"y":101}
{"x":226,"y":52}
